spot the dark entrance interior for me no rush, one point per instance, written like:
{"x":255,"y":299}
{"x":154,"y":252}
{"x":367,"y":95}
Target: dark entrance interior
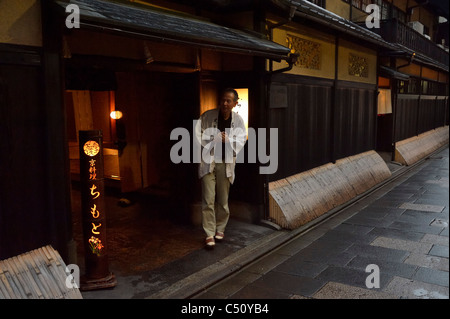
{"x":148,"y":198}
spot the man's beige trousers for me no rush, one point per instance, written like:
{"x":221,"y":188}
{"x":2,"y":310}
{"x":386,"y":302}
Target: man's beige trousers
{"x":215,"y":214}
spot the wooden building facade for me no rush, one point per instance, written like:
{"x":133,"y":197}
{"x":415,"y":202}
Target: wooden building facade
{"x":311,"y":69}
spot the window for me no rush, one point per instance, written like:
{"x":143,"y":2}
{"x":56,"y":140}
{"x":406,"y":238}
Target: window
{"x":384,"y":101}
{"x":413,"y":86}
{"x":387,"y":10}
{"x":361,"y":4}
{"x":402,"y":86}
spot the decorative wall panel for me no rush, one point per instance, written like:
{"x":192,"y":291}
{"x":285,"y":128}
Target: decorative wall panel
{"x":358,"y":65}
{"x":309,"y":52}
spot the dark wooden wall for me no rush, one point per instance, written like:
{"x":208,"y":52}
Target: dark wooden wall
{"x":34,"y":208}
{"x":418,"y":114}
{"x":321,"y":122}
{"x":355,"y":120}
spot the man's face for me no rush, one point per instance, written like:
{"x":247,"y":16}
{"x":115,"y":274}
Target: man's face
{"x":227,"y":103}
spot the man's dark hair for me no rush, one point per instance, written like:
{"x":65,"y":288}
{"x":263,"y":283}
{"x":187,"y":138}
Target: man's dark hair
{"x":231,"y":90}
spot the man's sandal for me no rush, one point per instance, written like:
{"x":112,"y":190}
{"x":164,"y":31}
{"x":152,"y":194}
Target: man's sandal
{"x":219,"y":236}
{"x":210,"y":242}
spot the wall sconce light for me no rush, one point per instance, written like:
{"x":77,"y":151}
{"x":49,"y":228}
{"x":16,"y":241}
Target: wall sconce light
{"x":116,"y":115}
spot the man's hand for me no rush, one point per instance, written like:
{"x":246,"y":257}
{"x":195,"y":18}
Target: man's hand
{"x":221,"y":137}
{"x":225,"y":138}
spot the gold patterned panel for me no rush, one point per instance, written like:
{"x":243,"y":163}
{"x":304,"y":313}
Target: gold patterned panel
{"x":309,"y":52}
{"x":358,"y":66}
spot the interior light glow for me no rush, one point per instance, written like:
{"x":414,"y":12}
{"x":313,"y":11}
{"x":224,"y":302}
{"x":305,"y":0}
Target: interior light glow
{"x":116,"y":115}
{"x":242,"y":106}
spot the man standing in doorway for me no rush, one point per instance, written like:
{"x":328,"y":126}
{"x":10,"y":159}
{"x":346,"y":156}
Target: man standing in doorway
{"x":222,"y":135}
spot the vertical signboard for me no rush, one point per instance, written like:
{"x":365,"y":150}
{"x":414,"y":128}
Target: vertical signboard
{"x":97,"y":274}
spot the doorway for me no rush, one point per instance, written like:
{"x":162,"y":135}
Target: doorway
{"x":147,"y":196}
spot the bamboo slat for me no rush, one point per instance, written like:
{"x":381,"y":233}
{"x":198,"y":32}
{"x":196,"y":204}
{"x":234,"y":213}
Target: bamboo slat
{"x":413,"y":149}
{"x":37,"y":274}
{"x":300,"y":198}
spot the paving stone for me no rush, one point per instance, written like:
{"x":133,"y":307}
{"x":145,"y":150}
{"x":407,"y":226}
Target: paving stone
{"x":266,"y":264}
{"x":388,"y":267}
{"x":380,"y":214}
{"x":382,"y":211}
{"x":254,"y":292}
{"x":287,"y":284}
{"x":441,"y":192}
{"x":232,"y":286}
{"x":435,"y":239}
{"x":388,"y":203}
{"x":299,"y":297}
{"x":432,"y":276}
{"x":350,"y":276}
{"x":293,"y":247}
{"x":340,"y":240}
{"x":314,"y":234}
{"x":440,"y":251}
{"x":301,"y":268}
{"x":209,"y":295}
{"x":441,"y":197}
{"x":434,"y":202}
{"x":442,"y":183}
{"x":439,"y":222}
{"x":433,"y":188}
{"x":416,"y":217}
{"x":397,"y":233}
{"x":425,"y":175}
{"x":381,"y":253}
{"x":400,"y":244}
{"x":355,"y":229}
{"x":404,"y":187}
{"x":321,"y":256}
{"x":422,"y":207}
{"x":397,"y":195}
{"x":413,"y":289}
{"x":336,"y":290}
{"x":368,"y":221}
{"x":414,"y":185}
{"x":426,"y":229}
{"x":427,"y":261}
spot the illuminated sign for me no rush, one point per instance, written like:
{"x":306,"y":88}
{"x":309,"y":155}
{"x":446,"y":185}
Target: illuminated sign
{"x":93,"y":212}
{"x":91,"y":148}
